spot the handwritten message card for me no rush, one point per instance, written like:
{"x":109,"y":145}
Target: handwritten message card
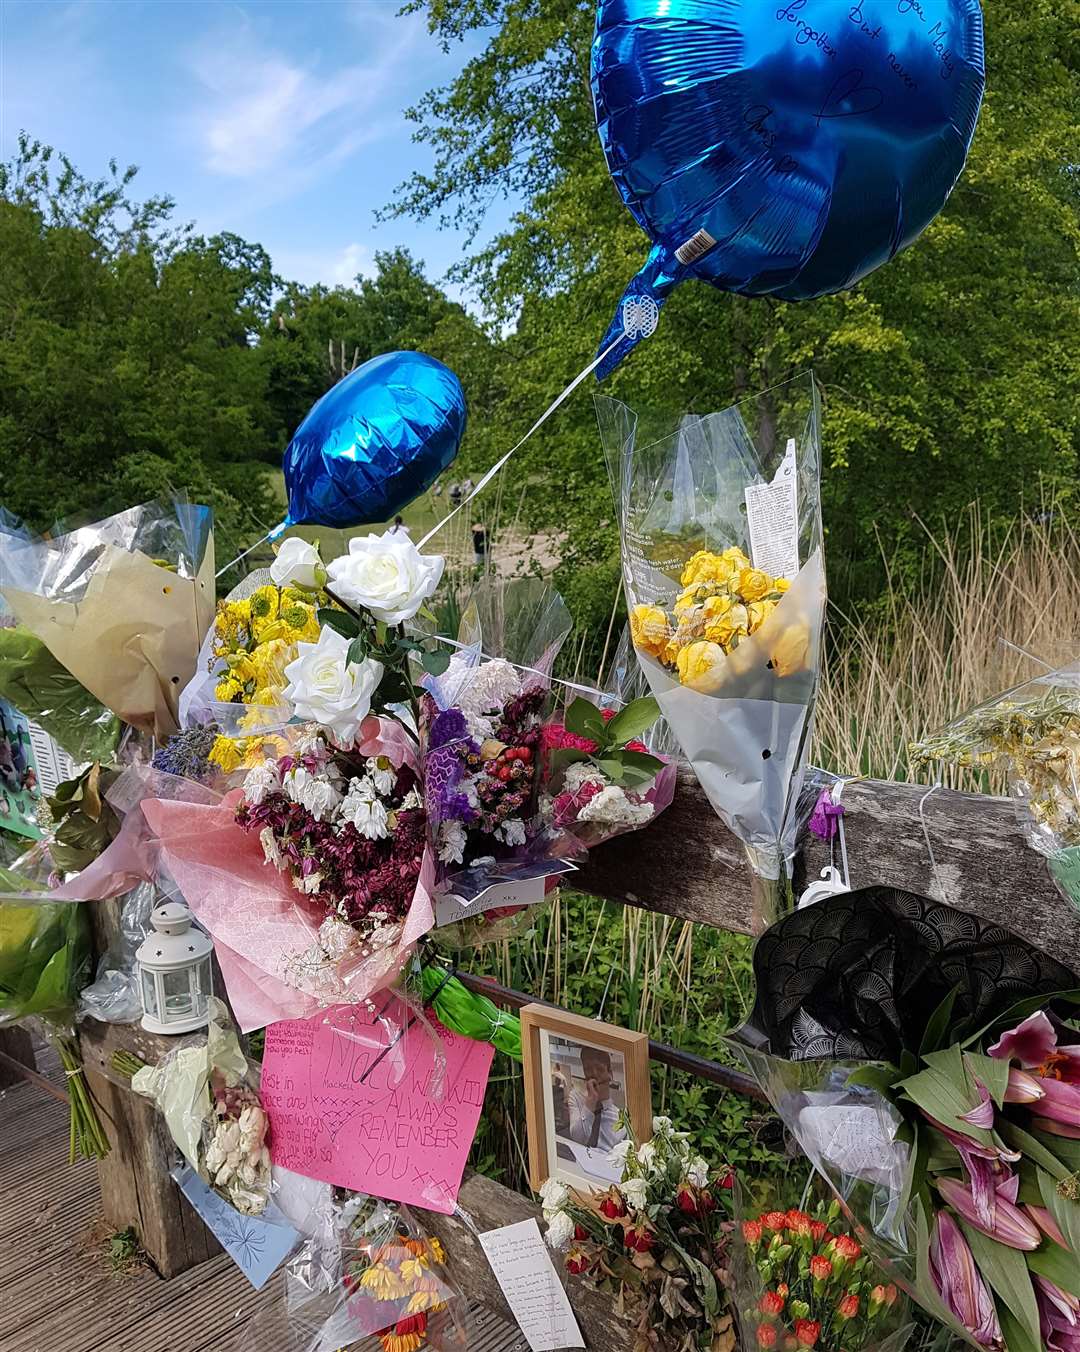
{"x":523,"y":1268}
{"x":256,"y":1244}
{"x":355,"y":1098}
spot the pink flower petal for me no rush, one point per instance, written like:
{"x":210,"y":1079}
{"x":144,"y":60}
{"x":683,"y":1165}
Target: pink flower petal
{"x":1031,"y":1043}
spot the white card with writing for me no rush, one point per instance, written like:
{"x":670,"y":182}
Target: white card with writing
{"x":523,"y":1268}
{"x":853,"y":1139}
{"x":772,"y":517}
{"x":449,"y":907}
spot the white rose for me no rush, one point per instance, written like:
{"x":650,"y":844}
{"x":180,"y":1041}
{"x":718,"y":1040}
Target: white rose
{"x":646,"y":1155}
{"x":560,"y":1230}
{"x":297,"y":564}
{"x":619,"y":1152}
{"x":636,"y":1192}
{"x":329,"y":690}
{"x":698,"y":1173}
{"x":387,"y":575}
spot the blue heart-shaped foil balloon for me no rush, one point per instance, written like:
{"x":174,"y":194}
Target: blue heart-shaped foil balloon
{"x":780,"y":147}
{"x":374,"y":442}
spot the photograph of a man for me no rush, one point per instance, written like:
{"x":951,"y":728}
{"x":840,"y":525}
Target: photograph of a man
{"x":593,"y":1110}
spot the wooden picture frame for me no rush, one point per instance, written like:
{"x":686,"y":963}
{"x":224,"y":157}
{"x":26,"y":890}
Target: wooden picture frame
{"x":565,"y":1142}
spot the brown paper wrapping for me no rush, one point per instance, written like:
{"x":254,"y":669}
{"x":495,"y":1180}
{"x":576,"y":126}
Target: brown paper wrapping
{"x":133,"y":639}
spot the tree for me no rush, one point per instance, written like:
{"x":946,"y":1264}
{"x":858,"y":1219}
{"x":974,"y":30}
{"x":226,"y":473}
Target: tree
{"x":950,"y":374}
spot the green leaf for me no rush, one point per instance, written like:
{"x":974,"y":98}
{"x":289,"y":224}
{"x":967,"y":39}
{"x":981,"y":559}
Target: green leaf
{"x":1057,"y":1266}
{"x":1019,"y":1139}
{"x":357,"y":650}
{"x":565,"y":756}
{"x":1018,"y":1012}
{"x":348,"y":626}
{"x":993,"y":1073}
{"x":937,"y":1025}
{"x":585,"y":720}
{"x":1006,"y":1271}
{"x":638,"y":716}
{"x":625,"y":767}
{"x":1066,"y":1213}
{"x":925,"y":1287}
{"x":435,"y":662}
{"x":1065,"y":1149}
{"x":1016,"y":1336}
{"x":380,"y":633}
{"x":875,"y":1076}
{"x":944,"y":1091}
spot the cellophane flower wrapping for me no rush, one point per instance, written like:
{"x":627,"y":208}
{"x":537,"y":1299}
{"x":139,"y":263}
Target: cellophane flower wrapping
{"x":1033,"y":731}
{"x":208,"y":1093}
{"x":723,"y":568}
{"x":238,"y":688}
{"x":367,"y":1277}
{"x":481,"y":728}
{"x":122,"y":605}
{"x":799,"y":1276}
{"x":313,"y":878}
{"x":45,"y":953}
{"x":583,"y":803}
{"x":872,"y":1032}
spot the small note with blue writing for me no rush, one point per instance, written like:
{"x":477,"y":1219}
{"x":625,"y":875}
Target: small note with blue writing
{"x":256,"y":1244}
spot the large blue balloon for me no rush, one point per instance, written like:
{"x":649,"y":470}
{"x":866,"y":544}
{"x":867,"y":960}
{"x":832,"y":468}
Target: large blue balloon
{"x":374,"y":442}
{"x":780,"y":147}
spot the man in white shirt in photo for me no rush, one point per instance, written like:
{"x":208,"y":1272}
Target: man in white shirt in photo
{"x":593,"y":1113}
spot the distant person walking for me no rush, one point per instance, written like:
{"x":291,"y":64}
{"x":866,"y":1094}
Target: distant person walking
{"x":398,"y":528}
{"x":455,"y":494}
{"x":480,"y":545}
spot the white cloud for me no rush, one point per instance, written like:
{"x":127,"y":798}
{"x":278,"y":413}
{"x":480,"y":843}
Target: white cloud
{"x":265,"y":114}
{"x":333,"y":267}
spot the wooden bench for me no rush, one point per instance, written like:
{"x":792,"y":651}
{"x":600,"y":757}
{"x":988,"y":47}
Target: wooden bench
{"x":966,"y":849}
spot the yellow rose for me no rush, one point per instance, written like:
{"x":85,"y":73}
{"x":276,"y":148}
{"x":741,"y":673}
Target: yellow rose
{"x":759,"y":613}
{"x":736,"y":556}
{"x":791,"y":651}
{"x":705,"y":566}
{"x":649,"y":629}
{"x":754,"y":584}
{"x":780,"y":584}
{"x":670,"y":655}
{"x":700,"y":665}
{"x":713,"y":607}
{"x":686,"y":600}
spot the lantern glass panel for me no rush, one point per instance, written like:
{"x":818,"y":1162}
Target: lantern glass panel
{"x":150,"y":1002}
{"x":201,"y":983}
{"x":179,"y":996}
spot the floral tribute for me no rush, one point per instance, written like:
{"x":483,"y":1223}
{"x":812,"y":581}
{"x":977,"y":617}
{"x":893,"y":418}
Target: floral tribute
{"x":599,"y":777}
{"x":724,"y":600}
{"x":396,"y":1281}
{"x":659,"y":1240}
{"x":805,"y":1284}
{"x":482,"y":760}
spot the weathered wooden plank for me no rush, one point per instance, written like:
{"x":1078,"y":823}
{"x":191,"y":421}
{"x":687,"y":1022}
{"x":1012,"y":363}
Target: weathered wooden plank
{"x":135,"y":1185}
{"x":688,"y":864}
{"x":489,"y":1205}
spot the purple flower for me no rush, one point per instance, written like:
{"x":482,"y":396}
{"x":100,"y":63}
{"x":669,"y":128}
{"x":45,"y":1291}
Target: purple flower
{"x":1008,"y":1224}
{"x":960,"y":1284}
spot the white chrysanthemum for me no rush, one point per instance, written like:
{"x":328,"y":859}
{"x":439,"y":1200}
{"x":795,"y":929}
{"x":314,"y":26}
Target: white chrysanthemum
{"x":261,"y":781}
{"x":271,"y":853}
{"x":511,"y":831}
{"x":611,"y":807}
{"x":560,"y":1230}
{"x":309,"y":884}
{"x":381,"y":773}
{"x":365,"y":809}
{"x":451,"y":848}
{"x":320,"y":797}
{"x":336,"y":937}
{"x":480,"y":691}
{"x":411,"y":801}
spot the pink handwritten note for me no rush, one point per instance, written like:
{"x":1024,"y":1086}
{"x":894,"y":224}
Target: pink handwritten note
{"x":357,"y":1098}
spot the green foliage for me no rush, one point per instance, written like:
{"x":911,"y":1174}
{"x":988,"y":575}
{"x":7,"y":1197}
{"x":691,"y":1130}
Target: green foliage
{"x":954,"y":372}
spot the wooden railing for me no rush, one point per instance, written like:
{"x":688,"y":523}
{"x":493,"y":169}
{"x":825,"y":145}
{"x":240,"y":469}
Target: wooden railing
{"x":966,"y":849}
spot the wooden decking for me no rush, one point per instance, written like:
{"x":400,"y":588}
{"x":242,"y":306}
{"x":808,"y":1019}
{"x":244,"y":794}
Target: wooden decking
{"x":58,"y":1292}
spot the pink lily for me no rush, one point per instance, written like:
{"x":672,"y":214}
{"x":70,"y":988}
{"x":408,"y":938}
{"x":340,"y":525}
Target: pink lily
{"x":1056,"y":1128}
{"x":1060,"y":1102}
{"x":1034,"y":1043}
{"x":983,"y":1114}
{"x":1008,"y":1224}
{"x":1058,"y":1322}
{"x":1022,"y":1087}
{"x":960,"y":1283}
{"x":1046,"y":1223}
{"x":1066,"y":1304}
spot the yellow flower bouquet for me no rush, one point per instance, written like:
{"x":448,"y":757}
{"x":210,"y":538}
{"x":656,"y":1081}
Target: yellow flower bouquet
{"x":725,"y":587}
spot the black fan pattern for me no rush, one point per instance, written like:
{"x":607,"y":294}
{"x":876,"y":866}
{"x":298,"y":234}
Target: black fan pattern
{"x":858,"y":976}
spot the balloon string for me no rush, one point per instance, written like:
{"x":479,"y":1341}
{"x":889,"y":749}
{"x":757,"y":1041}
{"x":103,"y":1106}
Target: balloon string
{"x":538,"y":423}
{"x":260,"y":541}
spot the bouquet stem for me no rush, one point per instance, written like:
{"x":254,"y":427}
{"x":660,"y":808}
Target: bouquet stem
{"x":87,"y":1138}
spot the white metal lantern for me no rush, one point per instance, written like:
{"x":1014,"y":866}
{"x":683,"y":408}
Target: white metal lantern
{"x":174,"y":972}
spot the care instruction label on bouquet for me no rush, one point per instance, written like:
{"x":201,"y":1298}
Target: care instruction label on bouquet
{"x":772,"y":517}
{"x":523,"y":1268}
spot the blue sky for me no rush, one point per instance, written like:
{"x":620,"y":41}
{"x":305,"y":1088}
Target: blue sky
{"x":280,"y":120}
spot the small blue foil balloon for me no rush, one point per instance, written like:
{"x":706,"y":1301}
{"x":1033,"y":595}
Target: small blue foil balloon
{"x":779,"y":147}
{"x":374,"y":442}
